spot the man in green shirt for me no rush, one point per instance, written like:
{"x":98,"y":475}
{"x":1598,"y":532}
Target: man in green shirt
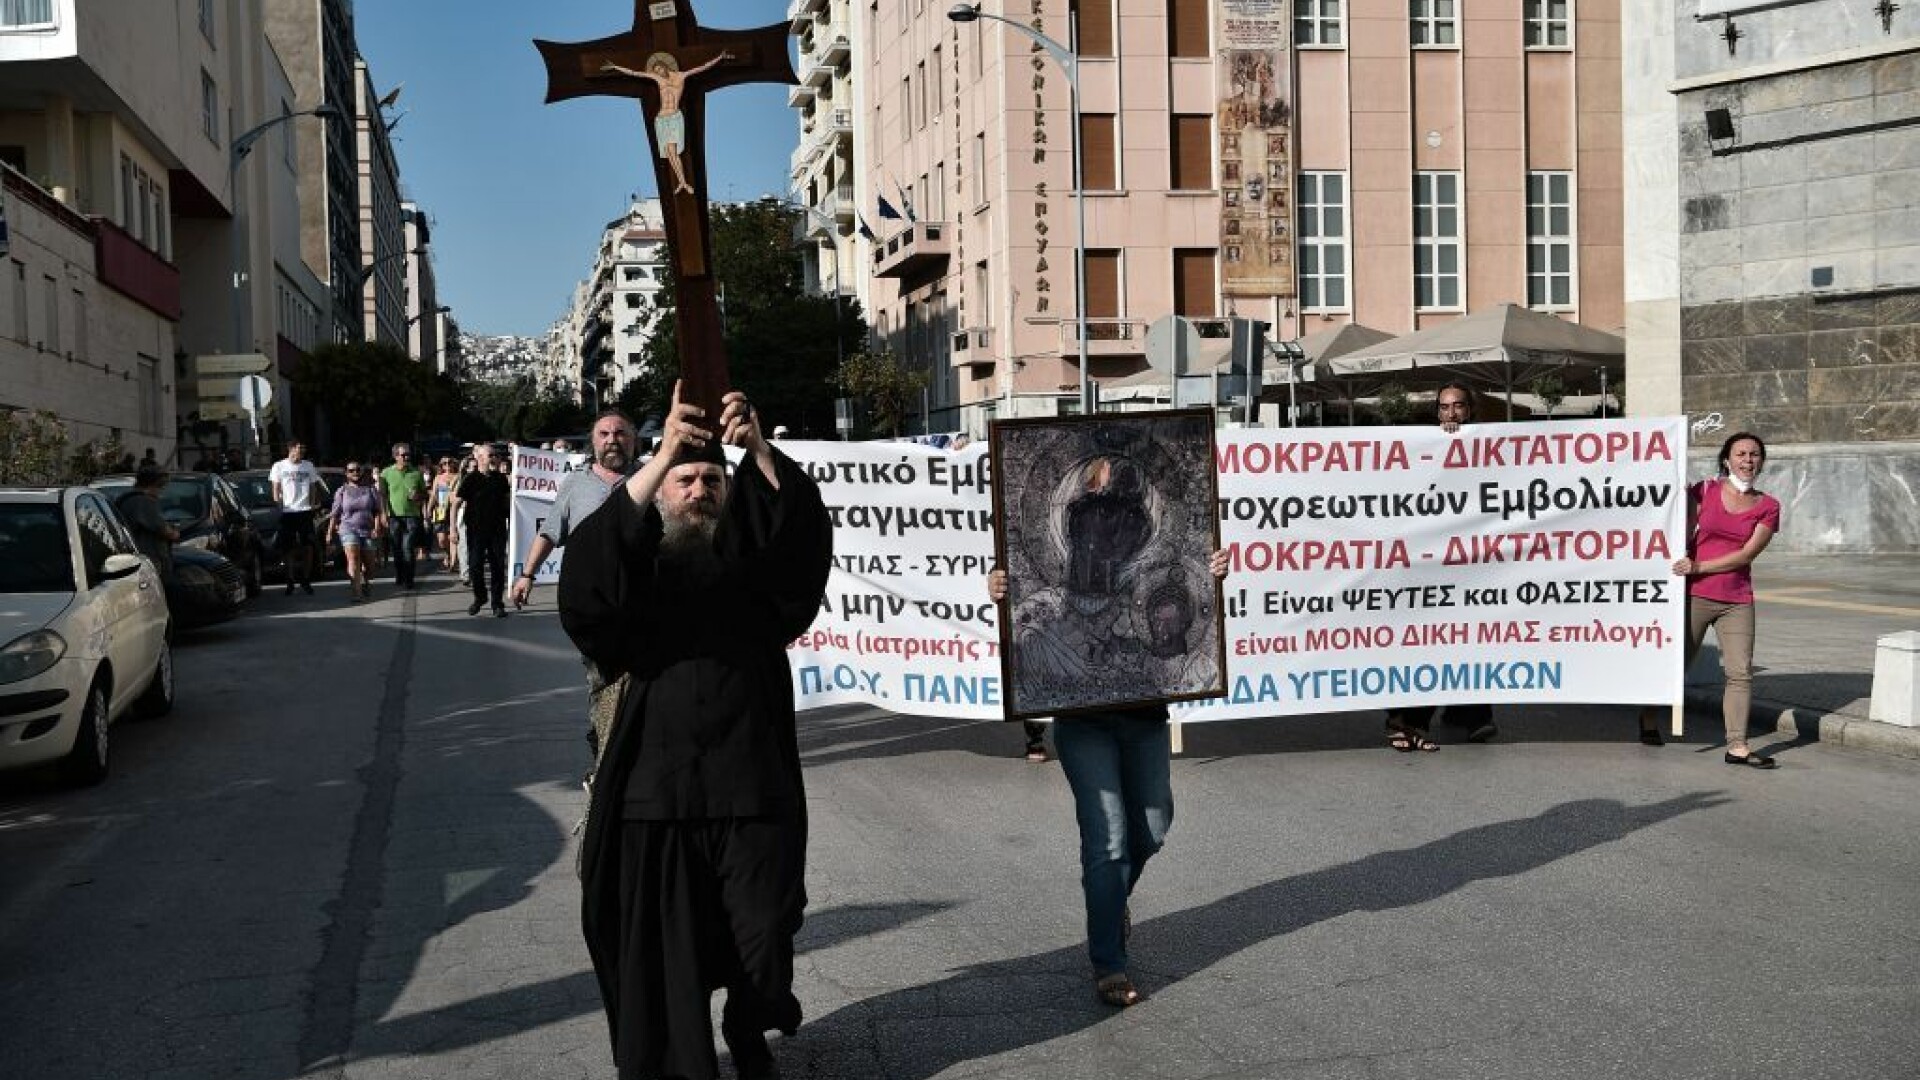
{"x":404,"y":488}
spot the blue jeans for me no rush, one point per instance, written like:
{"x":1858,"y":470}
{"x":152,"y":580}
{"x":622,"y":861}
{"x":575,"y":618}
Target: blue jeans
{"x":1117,"y":765}
{"x":400,"y":537}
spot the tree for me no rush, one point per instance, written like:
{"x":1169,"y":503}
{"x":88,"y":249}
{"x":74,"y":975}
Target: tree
{"x":519,"y":411}
{"x":1395,"y":407}
{"x":372,"y":394}
{"x":35,"y":451}
{"x":782,"y":344}
{"x":1550,"y":390}
{"x":885,"y":387}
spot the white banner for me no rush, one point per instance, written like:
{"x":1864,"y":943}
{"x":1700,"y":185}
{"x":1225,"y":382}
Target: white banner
{"x":1402,"y":566}
{"x":536,"y":481}
{"x":1372,"y":567}
{"x":906,"y":623}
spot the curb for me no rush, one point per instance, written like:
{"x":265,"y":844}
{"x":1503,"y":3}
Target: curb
{"x":1840,"y":729}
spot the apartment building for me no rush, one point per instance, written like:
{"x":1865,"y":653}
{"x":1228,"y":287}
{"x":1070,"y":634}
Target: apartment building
{"x":382,"y":274}
{"x":314,"y":39}
{"x":109,"y":147}
{"x":1773,"y":271}
{"x":825,"y":182}
{"x":427,"y":318}
{"x":1396,"y":163}
{"x":600,"y":345}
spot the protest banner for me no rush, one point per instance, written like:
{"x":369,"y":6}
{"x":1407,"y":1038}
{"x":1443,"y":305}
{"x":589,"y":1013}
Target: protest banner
{"x":1501,"y":563}
{"x":1371,"y":568}
{"x":537,"y":474}
{"x":906,"y":623}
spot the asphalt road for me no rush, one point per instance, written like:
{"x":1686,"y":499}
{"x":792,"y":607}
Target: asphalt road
{"x":347,"y":854}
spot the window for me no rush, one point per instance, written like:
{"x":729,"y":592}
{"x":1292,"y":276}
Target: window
{"x":1323,"y":241}
{"x":1098,"y":168}
{"x":1193,"y":292}
{"x":1103,"y":287}
{"x":1093,"y":28}
{"x":633,"y":299}
{"x":1316,"y":22}
{"x":933,"y":88}
{"x":1190,"y":165}
{"x":50,"y":340}
{"x":906,"y":103}
{"x":1436,"y":240}
{"x":150,"y":401}
{"x":979,"y":169}
{"x":17,"y":14}
{"x":80,"y":325}
{"x":1432,"y":22}
{"x":920,"y":99}
{"x":206,"y":20}
{"x":289,"y":141}
{"x":937,"y":193}
{"x":209,"y":107}
{"x":1550,"y":240}
{"x":128,"y":193}
{"x":1548,"y":23}
{"x":20,"y":331}
{"x":1189,"y":29}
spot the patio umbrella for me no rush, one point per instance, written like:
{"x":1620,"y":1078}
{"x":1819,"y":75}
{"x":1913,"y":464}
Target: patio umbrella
{"x":1496,"y":346}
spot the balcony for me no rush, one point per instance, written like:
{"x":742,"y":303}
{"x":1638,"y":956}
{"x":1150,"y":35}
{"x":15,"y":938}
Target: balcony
{"x":799,"y":95}
{"x":803,"y":155}
{"x":838,"y":203}
{"x":818,"y":75}
{"x":125,"y":264}
{"x":914,"y":250}
{"x":832,"y":45}
{"x":1105,"y":337}
{"x":973,"y":347}
{"x":800,"y":13}
{"x":840,"y":122}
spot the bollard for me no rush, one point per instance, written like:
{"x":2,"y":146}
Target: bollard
{"x":1896,"y":680}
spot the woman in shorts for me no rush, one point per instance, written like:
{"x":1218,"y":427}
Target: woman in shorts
{"x":358,"y":519}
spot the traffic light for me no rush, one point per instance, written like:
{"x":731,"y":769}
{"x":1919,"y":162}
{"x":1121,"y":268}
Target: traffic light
{"x":1249,"y":348}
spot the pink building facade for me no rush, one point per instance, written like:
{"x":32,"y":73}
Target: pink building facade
{"x":1395,"y":163}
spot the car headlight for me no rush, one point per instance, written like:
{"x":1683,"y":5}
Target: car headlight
{"x":203,"y":542}
{"x":31,"y":654}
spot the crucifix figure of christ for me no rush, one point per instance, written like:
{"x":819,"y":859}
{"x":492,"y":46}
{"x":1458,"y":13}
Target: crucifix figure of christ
{"x":669,"y":61}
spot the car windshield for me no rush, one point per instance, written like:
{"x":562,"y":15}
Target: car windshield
{"x":33,"y":549}
{"x":183,"y":501}
{"x":256,"y":492}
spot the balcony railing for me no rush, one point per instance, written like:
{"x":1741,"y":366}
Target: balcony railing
{"x":914,"y":249}
{"x":973,"y":346}
{"x":1105,"y":336}
{"x":126,"y":264}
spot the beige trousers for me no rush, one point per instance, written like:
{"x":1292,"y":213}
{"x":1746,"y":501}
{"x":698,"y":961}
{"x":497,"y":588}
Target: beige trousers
{"x":1733,"y":625}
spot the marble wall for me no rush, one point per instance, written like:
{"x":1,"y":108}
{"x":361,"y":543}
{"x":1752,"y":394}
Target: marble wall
{"x":1800,"y":254}
{"x":1863,"y":498}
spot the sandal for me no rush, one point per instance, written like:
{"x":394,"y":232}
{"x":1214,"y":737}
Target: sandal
{"x":1400,"y":741}
{"x":1118,"y":991}
{"x":1037,"y":753}
{"x":1752,"y":759}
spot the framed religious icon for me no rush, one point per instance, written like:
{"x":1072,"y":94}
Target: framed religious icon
{"x":1106,"y":524}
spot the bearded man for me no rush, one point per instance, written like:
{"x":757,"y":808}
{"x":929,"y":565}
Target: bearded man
{"x":691,"y":586}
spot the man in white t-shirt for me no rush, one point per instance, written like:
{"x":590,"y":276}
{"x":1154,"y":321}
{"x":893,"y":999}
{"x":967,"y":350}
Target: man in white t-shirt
{"x":295,"y":484}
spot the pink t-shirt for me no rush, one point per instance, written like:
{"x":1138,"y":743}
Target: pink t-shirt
{"x":1719,"y":532}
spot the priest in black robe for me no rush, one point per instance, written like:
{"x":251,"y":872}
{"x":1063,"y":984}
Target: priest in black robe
{"x":692,"y":584}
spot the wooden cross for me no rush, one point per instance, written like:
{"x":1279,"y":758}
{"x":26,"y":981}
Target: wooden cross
{"x":669,"y":58}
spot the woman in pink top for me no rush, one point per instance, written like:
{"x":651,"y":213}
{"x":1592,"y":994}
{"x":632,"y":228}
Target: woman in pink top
{"x":1733,"y":521}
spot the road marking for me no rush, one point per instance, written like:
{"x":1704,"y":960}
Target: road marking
{"x":1788,"y":596}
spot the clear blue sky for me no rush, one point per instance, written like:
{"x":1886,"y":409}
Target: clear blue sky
{"x":518,"y":191}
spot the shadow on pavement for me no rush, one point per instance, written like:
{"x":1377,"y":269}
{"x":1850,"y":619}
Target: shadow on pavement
{"x":991,"y":1009}
{"x":523,"y":1008}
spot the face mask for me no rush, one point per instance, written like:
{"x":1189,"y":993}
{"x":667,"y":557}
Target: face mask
{"x":1739,"y":485}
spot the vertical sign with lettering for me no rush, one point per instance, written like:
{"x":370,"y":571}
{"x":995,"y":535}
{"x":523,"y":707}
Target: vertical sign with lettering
{"x":1255,"y":125}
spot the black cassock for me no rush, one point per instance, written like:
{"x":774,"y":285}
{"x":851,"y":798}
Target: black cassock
{"x":693,"y":856}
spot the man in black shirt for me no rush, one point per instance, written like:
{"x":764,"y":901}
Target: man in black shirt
{"x":487,"y":498}
{"x":693,"y":584}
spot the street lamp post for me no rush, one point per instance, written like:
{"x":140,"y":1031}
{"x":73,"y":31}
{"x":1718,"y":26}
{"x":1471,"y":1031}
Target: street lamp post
{"x":364,"y":274}
{"x":237,"y":152}
{"x":1070,"y":63}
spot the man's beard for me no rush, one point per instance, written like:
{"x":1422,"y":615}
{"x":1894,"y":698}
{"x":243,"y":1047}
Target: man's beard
{"x":686,"y":540}
{"x":613,"y":459}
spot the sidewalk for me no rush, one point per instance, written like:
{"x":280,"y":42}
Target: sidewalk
{"x":1819,"y":619}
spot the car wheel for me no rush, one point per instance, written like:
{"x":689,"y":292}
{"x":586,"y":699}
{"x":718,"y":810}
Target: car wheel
{"x":157,"y":700}
{"x":86,"y":763}
{"x":253,"y":573}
